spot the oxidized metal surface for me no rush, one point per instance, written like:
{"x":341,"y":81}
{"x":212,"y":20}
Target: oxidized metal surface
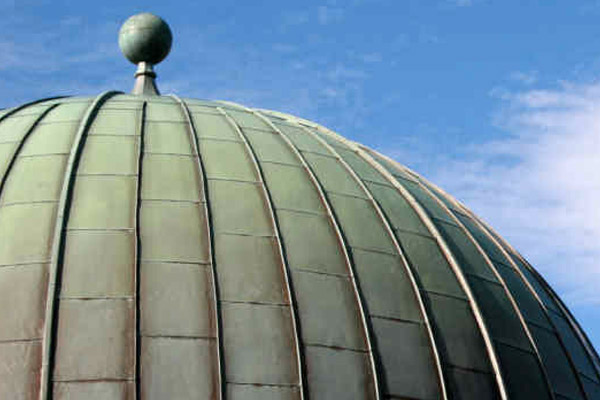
{"x":159,"y":248}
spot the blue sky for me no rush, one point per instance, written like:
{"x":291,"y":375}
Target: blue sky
{"x":498,"y":102}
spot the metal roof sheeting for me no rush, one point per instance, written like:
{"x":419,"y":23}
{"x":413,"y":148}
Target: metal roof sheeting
{"x":154,"y":247}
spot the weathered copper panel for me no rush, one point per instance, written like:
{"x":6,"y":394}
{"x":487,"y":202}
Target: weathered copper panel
{"x":98,"y":264}
{"x":22,"y":294}
{"x":258,"y":344}
{"x":323,"y":271}
{"x":181,"y":287}
{"x":177,"y":368}
{"x":94,"y":390}
{"x":19,"y":370}
{"x":353,"y":379}
{"x":100,"y":329}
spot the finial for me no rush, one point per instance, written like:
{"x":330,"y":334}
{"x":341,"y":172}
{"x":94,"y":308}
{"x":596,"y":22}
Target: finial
{"x":145,"y":39}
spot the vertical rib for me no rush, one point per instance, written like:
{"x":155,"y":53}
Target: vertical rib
{"x":138,"y":254}
{"x":418,"y":209}
{"x":54,"y":274}
{"x":503,"y":245}
{"x":529,"y":287}
{"x":580,"y":334}
{"x":389,"y":230}
{"x":213,"y":273}
{"x":500,"y":279}
{"x":283,"y":261}
{"x":343,"y":246}
{"x":16,"y":152}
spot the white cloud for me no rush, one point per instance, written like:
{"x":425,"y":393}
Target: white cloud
{"x":527,"y":78}
{"x":540,"y":184}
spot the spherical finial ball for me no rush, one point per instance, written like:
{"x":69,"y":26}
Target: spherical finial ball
{"x":145,"y":37}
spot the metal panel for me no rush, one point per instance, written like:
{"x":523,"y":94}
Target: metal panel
{"x":405,"y":351}
{"x":397,"y":209}
{"x":25,"y":231}
{"x":328,"y":298}
{"x":458,"y":336}
{"x":259,"y":353}
{"x":98,"y":264}
{"x":247,"y":217}
{"x":561,"y":375}
{"x":22,"y":301}
{"x":525,"y":294}
{"x":103,"y":202}
{"x":279,"y":258}
{"x":360,"y":224}
{"x":386,"y":288}
{"x":521,"y":371}
{"x":269,"y":147}
{"x":54,"y":138}
{"x":109,"y":155}
{"x":185,"y":224}
{"x":354,"y":374}
{"x":215,"y":315}
{"x":310,"y":243}
{"x":333,"y":175}
{"x":427,"y":221}
{"x":292,"y":189}
{"x":175,"y":368}
{"x":355,"y":215}
{"x":471,"y":385}
{"x":102,"y":331}
{"x":199,"y":320}
{"x":213,"y":127}
{"x":170,"y":177}
{"x":251,"y":392}
{"x":430,"y":264}
{"x":93,"y":390}
{"x":185,"y":288}
{"x":117,"y":312}
{"x":326,"y":260}
{"x":246,"y":270}
{"x":19,"y":370}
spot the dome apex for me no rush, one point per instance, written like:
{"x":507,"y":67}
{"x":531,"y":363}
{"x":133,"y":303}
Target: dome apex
{"x":146,"y":38}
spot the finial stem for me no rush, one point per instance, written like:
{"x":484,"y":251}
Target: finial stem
{"x":144,"y":80}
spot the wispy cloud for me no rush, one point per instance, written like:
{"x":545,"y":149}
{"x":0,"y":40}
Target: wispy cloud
{"x":540,"y":185}
{"x":524,"y":77}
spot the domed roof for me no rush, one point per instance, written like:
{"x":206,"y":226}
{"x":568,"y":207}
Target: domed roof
{"x":164,"y":248}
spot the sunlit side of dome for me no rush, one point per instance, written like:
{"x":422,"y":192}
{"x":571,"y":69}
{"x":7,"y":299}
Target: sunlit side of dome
{"x":159,"y":248}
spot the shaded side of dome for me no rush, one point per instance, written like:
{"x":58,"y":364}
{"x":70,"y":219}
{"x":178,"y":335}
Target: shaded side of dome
{"x":164,"y":248}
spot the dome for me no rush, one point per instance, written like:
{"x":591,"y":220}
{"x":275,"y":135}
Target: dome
{"x":159,"y":247}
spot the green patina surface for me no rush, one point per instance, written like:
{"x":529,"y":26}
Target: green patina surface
{"x":207,"y":250}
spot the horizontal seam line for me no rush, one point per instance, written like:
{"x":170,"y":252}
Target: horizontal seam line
{"x":450,"y":296}
{"x":482,"y":278}
{"x":312,"y":271}
{"x":253,"y":303}
{"x":25,"y":264}
{"x":176,"y":337}
{"x":372,"y":250}
{"x":348,"y":195}
{"x":291,"y":385}
{"x":394,"y":319}
{"x":97,"y":298}
{"x":244,"y":234}
{"x":512,"y":346}
{"x":10,"y":341}
{"x":234,"y":180}
{"x":67,"y":380}
{"x":22,"y":203}
{"x":411,"y":232}
{"x":332,"y":347}
{"x":295,"y":210}
{"x":166,"y":261}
